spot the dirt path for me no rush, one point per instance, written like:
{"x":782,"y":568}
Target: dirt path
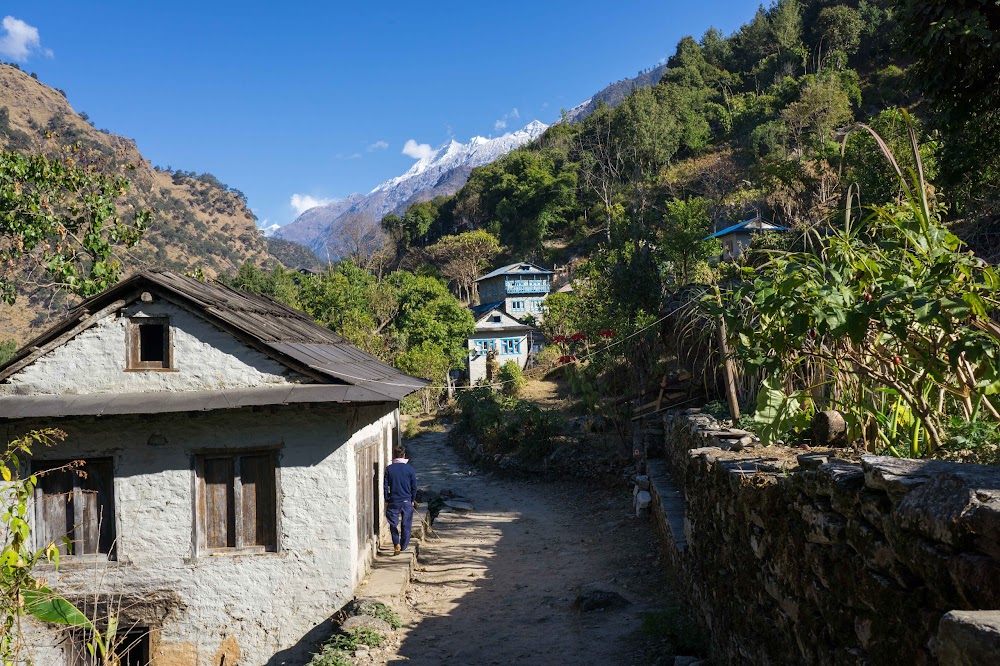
{"x":496,"y":585}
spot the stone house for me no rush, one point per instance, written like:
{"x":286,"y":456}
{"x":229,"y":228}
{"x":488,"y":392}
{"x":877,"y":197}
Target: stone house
{"x":499,"y":337}
{"x":508,"y":296}
{"x":737,"y":238}
{"x":520,"y":289}
{"x":233,"y":452}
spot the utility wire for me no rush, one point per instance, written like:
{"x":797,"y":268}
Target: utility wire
{"x":529,"y":373}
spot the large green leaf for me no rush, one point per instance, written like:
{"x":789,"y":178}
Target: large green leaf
{"x":45,"y":605}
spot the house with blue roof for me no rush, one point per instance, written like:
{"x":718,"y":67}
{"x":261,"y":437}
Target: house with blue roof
{"x":521,"y":288}
{"x":737,"y":238}
{"x":508,"y":295}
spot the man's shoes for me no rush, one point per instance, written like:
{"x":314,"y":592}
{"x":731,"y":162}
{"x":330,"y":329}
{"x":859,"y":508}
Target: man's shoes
{"x":395,"y":549}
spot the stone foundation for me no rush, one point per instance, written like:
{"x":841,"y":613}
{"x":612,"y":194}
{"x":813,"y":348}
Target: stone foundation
{"x":791,"y":558}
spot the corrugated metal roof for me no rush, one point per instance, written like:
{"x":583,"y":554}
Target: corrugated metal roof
{"x":516,"y":269}
{"x":479,"y":310}
{"x":108,"y":404}
{"x":275,"y":329}
{"x":753,"y":224}
{"x":351,"y":365}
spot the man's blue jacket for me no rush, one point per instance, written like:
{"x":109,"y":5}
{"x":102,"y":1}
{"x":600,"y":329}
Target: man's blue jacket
{"x":400,"y":484}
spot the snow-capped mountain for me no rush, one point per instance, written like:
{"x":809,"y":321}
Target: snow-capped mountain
{"x":268,"y":231}
{"x":477,"y":152}
{"x":441,"y":173}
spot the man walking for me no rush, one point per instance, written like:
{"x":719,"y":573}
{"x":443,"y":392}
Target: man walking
{"x":400,"y":490}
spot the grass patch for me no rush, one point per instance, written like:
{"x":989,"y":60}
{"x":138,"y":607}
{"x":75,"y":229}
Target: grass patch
{"x":382,"y":612}
{"x":415,"y":426}
{"x":338,"y":650}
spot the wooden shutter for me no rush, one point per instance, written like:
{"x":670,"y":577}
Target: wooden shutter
{"x":93,"y":510}
{"x":53,"y":508}
{"x":258,"y":504}
{"x":220,"y":514}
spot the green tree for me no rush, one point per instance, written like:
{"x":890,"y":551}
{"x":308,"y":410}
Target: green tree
{"x":462,"y":258}
{"x":838,"y":30}
{"x":528,"y":195}
{"x":867,"y":168}
{"x":822,"y":106}
{"x":683,"y":247}
{"x":62,"y":220}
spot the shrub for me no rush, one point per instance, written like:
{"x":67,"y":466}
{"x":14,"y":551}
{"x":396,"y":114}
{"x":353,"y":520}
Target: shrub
{"x":507,"y":425}
{"x":511,"y":379}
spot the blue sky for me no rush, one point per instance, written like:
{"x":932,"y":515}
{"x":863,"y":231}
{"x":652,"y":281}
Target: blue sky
{"x":319,"y":99}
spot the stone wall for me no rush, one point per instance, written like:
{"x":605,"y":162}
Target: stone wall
{"x":790,"y":556}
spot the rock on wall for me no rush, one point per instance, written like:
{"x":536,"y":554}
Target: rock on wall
{"x":792,"y":558}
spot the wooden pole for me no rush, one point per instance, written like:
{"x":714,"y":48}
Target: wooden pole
{"x":728,"y":365}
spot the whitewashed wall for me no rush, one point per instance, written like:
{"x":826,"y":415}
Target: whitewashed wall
{"x":477,"y":362}
{"x":94,"y":362}
{"x":254,"y":608}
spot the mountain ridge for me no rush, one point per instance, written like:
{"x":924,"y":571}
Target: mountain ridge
{"x":198,"y":223}
{"x":315,"y":228}
{"x":442,"y":172}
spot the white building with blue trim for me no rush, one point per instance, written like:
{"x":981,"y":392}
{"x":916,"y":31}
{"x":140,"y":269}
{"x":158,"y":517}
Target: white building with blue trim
{"x":500,"y":336}
{"x":509,"y":296}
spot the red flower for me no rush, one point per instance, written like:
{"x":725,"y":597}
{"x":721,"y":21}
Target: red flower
{"x":607,"y":333}
{"x":560,"y":338}
{"x":567,"y":359}
{"x":577,"y":337}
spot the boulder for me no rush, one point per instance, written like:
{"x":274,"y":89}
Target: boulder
{"x":366,"y":622}
{"x":829,"y":429}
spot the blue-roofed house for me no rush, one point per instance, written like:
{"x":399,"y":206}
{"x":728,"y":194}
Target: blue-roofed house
{"x":508,"y":295}
{"x":521,"y":287}
{"x":737,"y":238}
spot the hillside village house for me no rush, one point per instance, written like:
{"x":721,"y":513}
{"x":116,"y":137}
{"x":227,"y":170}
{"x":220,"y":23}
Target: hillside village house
{"x":737,"y":238}
{"x":520,"y":289}
{"x":233,"y":452}
{"x":508,"y":295}
{"x":498,"y":336}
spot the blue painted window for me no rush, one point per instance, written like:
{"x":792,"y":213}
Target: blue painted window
{"x":535,"y":305}
{"x":517,"y":306}
{"x":510,"y":346}
{"x":482,"y":346}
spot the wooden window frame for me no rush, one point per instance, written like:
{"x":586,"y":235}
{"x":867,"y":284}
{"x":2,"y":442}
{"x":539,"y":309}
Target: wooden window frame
{"x":108,"y":514}
{"x":132,"y":362}
{"x":200,"y":531}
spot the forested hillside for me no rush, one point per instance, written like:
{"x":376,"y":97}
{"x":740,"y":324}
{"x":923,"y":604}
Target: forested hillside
{"x":197,"y":222}
{"x":748,"y":123}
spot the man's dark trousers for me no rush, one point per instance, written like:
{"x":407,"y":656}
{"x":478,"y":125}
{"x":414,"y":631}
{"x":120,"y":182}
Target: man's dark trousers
{"x":393,"y":512}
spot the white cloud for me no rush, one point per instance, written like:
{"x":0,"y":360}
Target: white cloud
{"x":303,"y":202}
{"x":20,"y":40}
{"x":501,"y":124}
{"x":417,"y":151}
{"x":378,"y":145}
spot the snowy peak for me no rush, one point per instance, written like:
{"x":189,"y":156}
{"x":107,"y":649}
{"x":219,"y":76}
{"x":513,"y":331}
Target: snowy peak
{"x":443,"y":172}
{"x":477,"y":152}
{"x":268,"y":232}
